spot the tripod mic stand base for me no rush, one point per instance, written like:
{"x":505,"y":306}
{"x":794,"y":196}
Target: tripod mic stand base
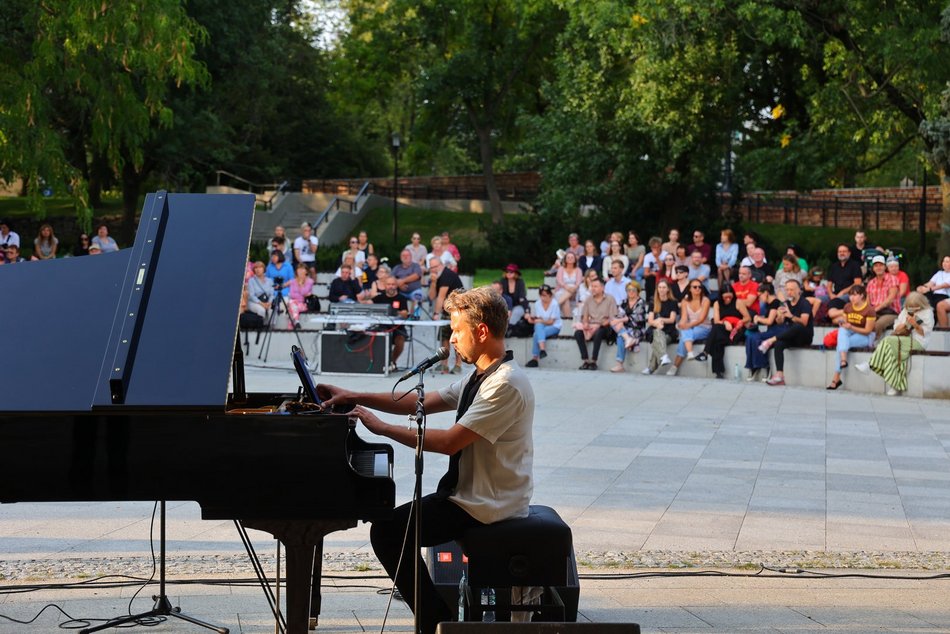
{"x":162,"y":608}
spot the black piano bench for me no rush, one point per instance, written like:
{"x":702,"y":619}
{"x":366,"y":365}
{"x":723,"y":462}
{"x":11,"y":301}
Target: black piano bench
{"x":537,"y":550}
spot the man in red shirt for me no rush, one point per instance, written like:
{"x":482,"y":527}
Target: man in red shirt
{"x":747,"y":290}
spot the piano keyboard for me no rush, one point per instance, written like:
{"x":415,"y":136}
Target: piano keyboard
{"x":371,"y":463}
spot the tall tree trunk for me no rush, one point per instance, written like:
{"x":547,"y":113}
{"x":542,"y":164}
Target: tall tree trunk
{"x":485,"y":148}
{"x":943,"y":241}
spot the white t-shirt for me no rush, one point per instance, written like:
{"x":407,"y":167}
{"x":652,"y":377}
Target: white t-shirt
{"x":12,"y":238}
{"x":495,"y":472}
{"x":308,"y":249}
{"x":553,"y":312}
{"x":652,"y":262}
{"x":941,"y":277}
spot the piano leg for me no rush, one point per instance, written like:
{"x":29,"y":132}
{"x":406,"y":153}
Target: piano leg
{"x":303,"y":545}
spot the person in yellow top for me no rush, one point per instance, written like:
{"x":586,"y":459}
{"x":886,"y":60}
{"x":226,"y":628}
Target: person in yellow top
{"x":855,"y":327}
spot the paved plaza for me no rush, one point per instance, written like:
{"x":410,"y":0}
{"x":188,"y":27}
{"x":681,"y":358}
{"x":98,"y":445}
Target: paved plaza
{"x":654,"y":475}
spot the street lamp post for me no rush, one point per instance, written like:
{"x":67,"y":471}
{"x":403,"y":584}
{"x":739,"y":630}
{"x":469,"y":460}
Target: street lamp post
{"x":395,"y":149}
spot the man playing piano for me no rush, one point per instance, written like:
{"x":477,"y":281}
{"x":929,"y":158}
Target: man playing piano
{"x":490,"y":471}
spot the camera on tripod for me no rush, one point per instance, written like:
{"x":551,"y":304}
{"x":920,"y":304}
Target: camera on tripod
{"x":278,"y":283}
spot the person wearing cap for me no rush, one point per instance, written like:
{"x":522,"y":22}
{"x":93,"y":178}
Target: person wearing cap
{"x":629,"y":324}
{"x":546,"y":318}
{"x":8,"y":237}
{"x":513,"y":286}
{"x":883,"y":290}
{"x":305,"y":249}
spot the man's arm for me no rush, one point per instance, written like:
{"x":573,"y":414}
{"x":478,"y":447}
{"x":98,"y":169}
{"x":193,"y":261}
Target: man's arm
{"x":381,"y":401}
{"x":439,"y":300}
{"x":444,"y":441}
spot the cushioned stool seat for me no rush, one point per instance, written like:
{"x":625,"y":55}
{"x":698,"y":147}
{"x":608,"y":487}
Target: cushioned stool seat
{"x":533,"y":551}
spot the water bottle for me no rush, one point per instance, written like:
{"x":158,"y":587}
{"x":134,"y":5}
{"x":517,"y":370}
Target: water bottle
{"x":488,"y":600}
{"x":462,"y":583}
{"x":736,"y":374}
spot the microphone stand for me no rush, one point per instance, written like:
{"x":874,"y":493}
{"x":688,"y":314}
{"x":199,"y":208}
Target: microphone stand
{"x":420,"y":419}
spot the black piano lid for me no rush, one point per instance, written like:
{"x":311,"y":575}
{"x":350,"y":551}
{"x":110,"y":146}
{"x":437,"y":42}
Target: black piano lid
{"x":71,"y":333}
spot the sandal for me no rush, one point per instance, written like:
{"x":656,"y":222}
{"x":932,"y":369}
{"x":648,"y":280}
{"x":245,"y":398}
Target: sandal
{"x":835,"y":385}
{"x":844,"y":364}
{"x":776,"y":380}
{"x":765,"y":345}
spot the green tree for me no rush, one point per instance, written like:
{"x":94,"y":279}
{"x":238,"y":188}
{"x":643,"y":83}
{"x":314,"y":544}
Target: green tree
{"x":82,"y":81}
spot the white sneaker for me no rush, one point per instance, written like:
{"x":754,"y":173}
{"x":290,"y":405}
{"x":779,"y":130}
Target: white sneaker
{"x":665,"y":360}
{"x":690,"y":356}
{"x":863,"y":368}
{"x":672,"y":371}
{"x":646,"y":371}
{"x":750,"y":376}
{"x":891,"y":391}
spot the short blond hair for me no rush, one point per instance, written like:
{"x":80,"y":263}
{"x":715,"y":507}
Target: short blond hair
{"x":482,"y":305}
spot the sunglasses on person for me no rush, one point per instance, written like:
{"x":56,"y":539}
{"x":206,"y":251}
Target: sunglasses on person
{"x":695,"y":286}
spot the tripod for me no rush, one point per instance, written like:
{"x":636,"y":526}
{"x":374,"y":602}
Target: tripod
{"x":163,"y":607}
{"x":275,"y":308}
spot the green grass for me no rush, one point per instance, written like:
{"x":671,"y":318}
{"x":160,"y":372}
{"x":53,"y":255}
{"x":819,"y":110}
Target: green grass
{"x":463,"y":226}
{"x":531,"y":277}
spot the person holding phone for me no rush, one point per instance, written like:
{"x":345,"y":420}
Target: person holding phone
{"x":891,"y":358}
{"x":796,"y":313}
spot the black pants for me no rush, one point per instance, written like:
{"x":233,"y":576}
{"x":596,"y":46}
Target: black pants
{"x":716,"y":344}
{"x":598,"y":337}
{"x":442,"y":521}
{"x":795,"y":336}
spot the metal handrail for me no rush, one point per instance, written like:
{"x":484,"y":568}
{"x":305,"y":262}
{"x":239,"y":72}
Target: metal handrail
{"x":269,"y":201}
{"x":336,"y":201}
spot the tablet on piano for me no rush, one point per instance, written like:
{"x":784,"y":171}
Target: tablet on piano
{"x":303,"y":373}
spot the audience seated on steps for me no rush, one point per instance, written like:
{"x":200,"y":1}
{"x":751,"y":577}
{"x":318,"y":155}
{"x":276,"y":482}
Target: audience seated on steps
{"x":344,"y":288}
{"x":855,"y":329}
{"x":545,"y":317}
{"x":730,"y":319}
{"x":694,"y":324}
{"x":408,"y":276}
{"x":883,"y":294}
{"x":417,"y":250}
{"x":768,"y":318}
{"x":569,"y":279}
{"x":912,"y":330}
{"x":280,"y":271}
{"x":937,"y":290}
{"x":629,"y":324}
{"x":594,"y":322}
{"x":305,"y":249}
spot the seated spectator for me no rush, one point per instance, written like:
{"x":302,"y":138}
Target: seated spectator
{"x":569,"y":279}
{"x":843,"y":274}
{"x":102,"y":240}
{"x":94,"y":249}
{"x":795,"y":250}
{"x":451,"y":248}
{"x":680,"y":286}
{"x":408,"y":275}
{"x":855,"y":329}
{"x":418,"y":251}
{"x":653,"y":262}
{"x":260,"y":292}
{"x":496,"y":286}
{"x":672,"y":243}
{"x":912,"y":329}
{"x":883,"y":291}
{"x":591,"y":258}
{"x":727,"y":256}
{"x":767,"y":318}
{"x":903,"y":281}
{"x":397,"y":308}
{"x":358,"y":257}
{"x":370,"y":272}
{"x":439,"y":251}
{"x":616,"y":286}
{"x":280,"y":271}
{"x":937,"y":290}
{"x":747,"y":290}
{"x":661,"y":324}
{"x":594,"y":322}
{"x":282,"y":242}
{"x":796,"y":312}
{"x":614,"y":252}
{"x":7,"y":236}
{"x":667,"y":270}
{"x":758,"y":265}
{"x":344,"y":289}
{"x":698,"y":270}
{"x":349,"y":259}
{"x":378,"y":287}
{"x":300,"y":287}
{"x":513,"y":286}
{"x":364,"y":245}
{"x":680,"y":256}
{"x":729,"y":322}
{"x":635,"y":253}
{"x":546,"y":319}
{"x":583,"y":292}
{"x":573,"y":246}
{"x":699,"y":244}
{"x":45,"y":243}
{"x":12,"y":252}
{"x":82,"y":245}
{"x":694,"y":324}
{"x":817,"y":286}
{"x":442,"y":282}
{"x":629,"y":324}
{"x":788,"y":270}
{"x":305,"y":249}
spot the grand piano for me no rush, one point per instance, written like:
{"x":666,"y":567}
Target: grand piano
{"x":115,"y":386}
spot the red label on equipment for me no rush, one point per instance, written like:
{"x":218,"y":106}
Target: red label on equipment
{"x":445,"y":557}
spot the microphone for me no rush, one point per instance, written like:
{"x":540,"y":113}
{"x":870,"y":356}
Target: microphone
{"x":440,"y":355}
